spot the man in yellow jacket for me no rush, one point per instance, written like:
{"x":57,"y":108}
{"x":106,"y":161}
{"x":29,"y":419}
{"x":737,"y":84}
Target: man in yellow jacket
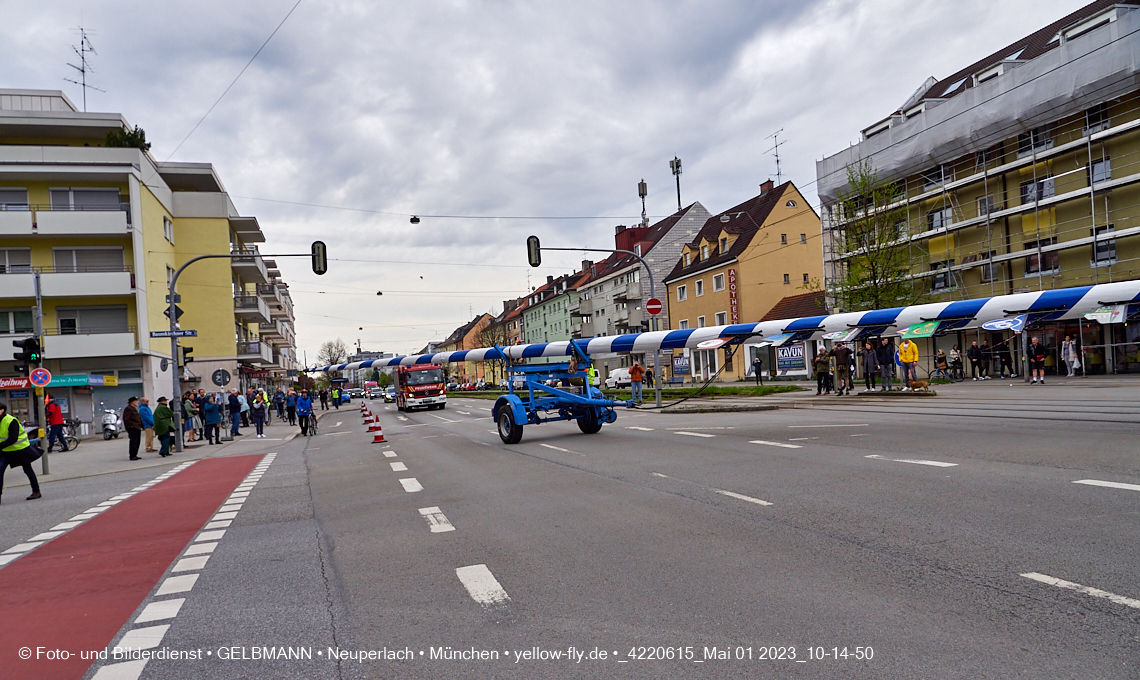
{"x":908,"y":357}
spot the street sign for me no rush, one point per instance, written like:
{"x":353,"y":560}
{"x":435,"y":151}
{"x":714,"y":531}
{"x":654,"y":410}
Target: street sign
{"x":221,"y":377}
{"x":40,"y":377}
{"x":177,"y":298}
{"x":163,"y":365}
{"x":174,"y":334}
{"x":653,"y":306}
{"x":177,"y":313}
{"x":1015,"y":324}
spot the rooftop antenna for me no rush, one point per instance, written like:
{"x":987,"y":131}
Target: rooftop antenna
{"x":81,"y":51}
{"x":776,"y":147}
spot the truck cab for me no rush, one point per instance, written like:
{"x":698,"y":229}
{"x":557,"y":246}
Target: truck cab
{"x":420,"y":386}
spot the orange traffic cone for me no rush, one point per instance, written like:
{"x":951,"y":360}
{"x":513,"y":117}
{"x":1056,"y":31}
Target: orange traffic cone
{"x":378,"y":438}
{"x":374,"y":427}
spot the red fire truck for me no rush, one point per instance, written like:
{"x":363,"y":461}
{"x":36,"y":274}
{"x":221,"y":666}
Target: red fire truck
{"x":420,"y":386}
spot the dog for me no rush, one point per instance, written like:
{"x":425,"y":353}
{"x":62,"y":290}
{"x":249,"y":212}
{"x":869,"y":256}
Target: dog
{"x":919,"y":384}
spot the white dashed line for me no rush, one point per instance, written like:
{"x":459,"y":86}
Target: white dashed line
{"x":695,"y":434}
{"x":338,"y":423}
{"x":482,"y":585}
{"x":200,"y":549}
{"x":436,"y":520}
{"x":398,"y":467}
{"x":742,"y":497}
{"x":464,"y":413}
{"x":780,"y":444}
{"x":800,"y":439}
{"x":161,"y":610}
{"x":190,"y":563}
{"x":556,"y":448}
{"x":446,"y":420}
{"x":834,"y":425}
{"x":1110,"y":485}
{"x":127,"y":670}
{"x":143,"y":638}
{"x":1095,"y":592}
{"x":934,"y":463}
{"x":177,"y":584}
{"x":411,"y":485}
{"x":639,"y":429}
{"x":658,"y":474}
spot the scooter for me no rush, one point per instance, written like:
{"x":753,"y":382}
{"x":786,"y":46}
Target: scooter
{"x":112,"y":423}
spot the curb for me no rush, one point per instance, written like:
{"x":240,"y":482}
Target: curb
{"x":723,"y":409}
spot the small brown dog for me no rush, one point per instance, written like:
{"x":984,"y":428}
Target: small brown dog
{"x":920,"y":384}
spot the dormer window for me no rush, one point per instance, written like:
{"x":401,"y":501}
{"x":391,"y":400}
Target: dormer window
{"x":989,"y":74}
{"x":724,"y":245}
{"x":1087,"y":25}
{"x":688,"y":259}
{"x":704,"y":252}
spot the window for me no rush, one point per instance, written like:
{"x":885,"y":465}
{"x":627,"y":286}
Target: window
{"x":85,"y":199}
{"x":700,"y":287}
{"x":1096,"y":118}
{"x":1035,"y":140}
{"x":1104,"y":249}
{"x":718,"y":282}
{"x":682,"y":293}
{"x":1044,"y":263}
{"x":806,"y":279}
{"x":13,"y":199}
{"x":721,"y":318}
{"x":16,"y":321}
{"x":803,"y":238}
{"x":938,"y":175}
{"x":783,"y":239}
{"x":16,"y":261}
{"x":723,"y":245}
{"x":168,"y":229}
{"x":1037,"y":191}
{"x":987,"y":156}
{"x":787,"y":278}
{"x":939,"y":219}
{"x":700,"y":322}
{"x":944,"y":280}
{"x":683,"y":324}
{"x":1100,"y":171}
{"x":901,"y":227}
{"x":688,"y":260}
{"x":88,"y":259}
{"x":92,"y":320}
{"x":704,"y":253}
{"x":985,"y":205}
{"x":990,"y":270}
{"x":790,"y":204}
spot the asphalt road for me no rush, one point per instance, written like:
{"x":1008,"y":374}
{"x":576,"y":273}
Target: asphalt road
{"x":899,"y":530}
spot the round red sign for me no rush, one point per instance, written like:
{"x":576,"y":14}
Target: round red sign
{"x":653,"y":306}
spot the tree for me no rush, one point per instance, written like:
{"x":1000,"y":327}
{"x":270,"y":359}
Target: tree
{"x":331,"y":352}
{"x":135,"y":139}
{"x":494,"y":335}
{"x":384,"y":379}
{"x":874,"y":271}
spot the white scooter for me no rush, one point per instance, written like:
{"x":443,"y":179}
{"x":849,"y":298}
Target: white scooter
{"x":112,"y":423}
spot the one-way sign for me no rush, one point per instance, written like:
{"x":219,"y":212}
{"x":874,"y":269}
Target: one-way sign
{"x":174,"y":334}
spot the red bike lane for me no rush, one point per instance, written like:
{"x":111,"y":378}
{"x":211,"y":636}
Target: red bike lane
{"x":75,"y":592}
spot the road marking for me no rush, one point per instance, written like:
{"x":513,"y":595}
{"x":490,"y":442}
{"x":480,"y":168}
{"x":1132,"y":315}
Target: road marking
{"x":1111,"y":485}
{"x":190,"y":563}
{"x":695,"y":434}
{"x":411,"y":485}
{"x":389,"y":454}
{"x":464,"y":413}
{"x":210,"y":535}
{"x":430,"y":436}
{"x":658,"y":474}
{"x":446,"y":420}
{"x":800,"y":439}
{"x":556,"y":448}
{"x":436,"y":520}
{"x":935,"y":463}
{"x":398,"y":467}
{"x":338,"y":423}
{"x":127,"y":670}
{"x":401,"y":418}
{"x":482,"y":585}
{"x":200,"y":549}
{"x":66,"y":525}
{"x":780,"y":444}
{"x":177,"y":584}
{"x":485,"y":408}
{"x":22,"y":547}
{"x":1095,"y":592}
{"x":834,"y":425}
{"x":45,"y":536}
{"x":701,"y":428}
{"x":143,"y":638}
{"x":742,"y":497}
{"x":640,"y":429}
{"x":859,"y":435}
{"x":161,"y":610}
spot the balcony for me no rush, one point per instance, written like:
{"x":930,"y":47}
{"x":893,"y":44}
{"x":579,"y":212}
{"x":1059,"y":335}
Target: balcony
{"x":583,"y":308}
{"x":270,"y":292}
{"x":86,"y":281}
{"x":90,"y":222}
{"x":628,"y":291}
{"x":254,"y":351}
{"x":18,"y":284}
{"x":271,"y":330}
{"x":282,"y":310}
{"x":251,"y":308}
{"x":15,"y":223}
{"x":89,"y":343}
{"x":250,"y":266}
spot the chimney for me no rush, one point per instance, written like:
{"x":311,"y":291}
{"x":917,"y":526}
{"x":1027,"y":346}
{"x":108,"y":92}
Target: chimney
{"x":619,"y":229}
{"x":766,"y":187}
{"x":586,"y":264}
{"x":549,"y":279}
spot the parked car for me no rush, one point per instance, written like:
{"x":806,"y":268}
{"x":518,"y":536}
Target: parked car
{"x":619,"y":377}
{"x":453,"y":385}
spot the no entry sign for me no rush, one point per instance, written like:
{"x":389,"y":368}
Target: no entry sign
{"x":653,"y":306}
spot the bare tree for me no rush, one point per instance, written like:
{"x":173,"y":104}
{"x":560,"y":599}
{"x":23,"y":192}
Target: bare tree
{"x":332,"y":352}
{"x":495,"y":334}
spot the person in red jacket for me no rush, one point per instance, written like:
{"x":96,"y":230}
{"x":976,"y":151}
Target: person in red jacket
{"x":55,"y":424}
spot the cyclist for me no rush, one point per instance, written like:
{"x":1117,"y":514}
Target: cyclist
{"x":56,"y":423}
{"x":304,"y":411}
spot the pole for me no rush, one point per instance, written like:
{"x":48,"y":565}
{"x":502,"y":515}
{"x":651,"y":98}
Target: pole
{"x":39,"y":400}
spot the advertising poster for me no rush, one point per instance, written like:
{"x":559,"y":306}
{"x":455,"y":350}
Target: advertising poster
{"x":791,"y":359}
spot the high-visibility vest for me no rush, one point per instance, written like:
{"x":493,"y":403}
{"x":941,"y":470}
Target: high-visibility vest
{"x":5,"y":426}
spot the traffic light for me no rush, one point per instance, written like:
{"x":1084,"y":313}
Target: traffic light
{"x":29,"y":357}
{"x":184,"y":356}
{"x":533,"y":251}
{"x":320,"y":258}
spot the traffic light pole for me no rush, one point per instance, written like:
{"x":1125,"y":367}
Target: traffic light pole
{"x":40,"y":392}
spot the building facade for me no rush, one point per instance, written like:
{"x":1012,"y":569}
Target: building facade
{"x":547,"y":315}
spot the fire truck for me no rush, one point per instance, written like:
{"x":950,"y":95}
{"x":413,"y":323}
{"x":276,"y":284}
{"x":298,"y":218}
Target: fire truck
{"x":420,"y":386}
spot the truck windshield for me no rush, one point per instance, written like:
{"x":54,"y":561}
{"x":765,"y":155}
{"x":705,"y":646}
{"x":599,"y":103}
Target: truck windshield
{"x":426,"y":377}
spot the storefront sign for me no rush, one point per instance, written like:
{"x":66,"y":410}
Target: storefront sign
{"x":13,"y":383}
{"x":777,"y":339}
{"x":69,"y":380}
{"x":842,"y":336}
{"x":920,"y":330}
{"x":103,"y":380}
{"x":733,"y":313}
{"x":19,"y":394}
{"x":681,"y":365}
{"x":791,"y":358}
{"x":1116,"y":314}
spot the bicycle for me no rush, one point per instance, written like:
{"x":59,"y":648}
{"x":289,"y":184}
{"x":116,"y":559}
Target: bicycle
{"x":312,"y":425}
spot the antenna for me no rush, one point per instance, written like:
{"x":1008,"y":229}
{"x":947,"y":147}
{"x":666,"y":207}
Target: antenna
{"x":81,"y":51}
{"x":776,"y":147}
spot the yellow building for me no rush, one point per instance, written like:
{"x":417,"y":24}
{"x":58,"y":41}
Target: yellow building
{"x":104,"y":228}
{"x":741,"y":263}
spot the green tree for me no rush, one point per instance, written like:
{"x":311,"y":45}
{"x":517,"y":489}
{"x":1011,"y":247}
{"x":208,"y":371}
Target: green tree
{"x":874,"y":271}
{"x":135,"y":139}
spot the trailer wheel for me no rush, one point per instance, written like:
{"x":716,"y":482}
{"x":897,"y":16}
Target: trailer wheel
{"x":590,"y":423}
{"x":509,"y":431}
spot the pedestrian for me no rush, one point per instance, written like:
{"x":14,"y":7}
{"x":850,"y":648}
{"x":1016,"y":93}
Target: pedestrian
{"x":16,"y":450}
{"x":55,"y":422}
{"x":822,"y":366}
{"x":244,"y":400}
{"x":758,"y":370}
{"x":324,"y":395}
{"x":885,"y":353}
{"x":908,"y":357}
{"x":636,"y":374}
{"x":1005,"y":357}
{"x":649,"y":377}
{"x":212,"y":420}
{"x":1068,"y":355}
{"x":200,"y":402}
{"x":148,"y":423}
{"x":192,"y":414}
{"x":291,"y":406}
{"x":336,"y":397}
{"x":258,"y":412}
{"x":279,"y":402}
{"x":871,"y":366}
{"x":1037,"y":354}
{"x":133,"y":423}
{"x":592,"y":375}
{"x":974,"y":354}
{"x":235,"y":412}
{"x":987,"y":359}
{"x":955,"y":357}
{"x":304,"y":410}
{"x":842,"y":368}
{"x":164,"y":426}
{"x":941,"y":363}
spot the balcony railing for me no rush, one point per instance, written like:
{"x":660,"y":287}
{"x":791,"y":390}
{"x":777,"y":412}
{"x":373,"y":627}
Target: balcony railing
{"x":254,"y":350}
{"x":68,"y":280}
{"x":250,"y":265}
{"x":269,"y":291}
{"x":71,"y":220}
{"x":251,"y":306}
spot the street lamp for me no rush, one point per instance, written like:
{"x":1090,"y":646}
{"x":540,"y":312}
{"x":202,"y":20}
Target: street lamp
{"x":643,"y":191}
{"x":675,"y":166}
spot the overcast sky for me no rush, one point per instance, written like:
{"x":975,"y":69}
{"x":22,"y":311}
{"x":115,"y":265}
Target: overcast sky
{"x":496,"y":109}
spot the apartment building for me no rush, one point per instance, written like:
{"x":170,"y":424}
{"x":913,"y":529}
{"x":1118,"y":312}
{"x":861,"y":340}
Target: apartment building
{"x":1018,"y":173}
{"x":737,"y":267}
{"x":104,"y":229}
{"x":467,"y":336}
{"x":547,"y":315}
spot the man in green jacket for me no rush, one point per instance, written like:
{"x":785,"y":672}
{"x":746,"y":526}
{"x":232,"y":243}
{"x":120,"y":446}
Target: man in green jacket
{"x":16,"y":450}
{"x":164,"y":426}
